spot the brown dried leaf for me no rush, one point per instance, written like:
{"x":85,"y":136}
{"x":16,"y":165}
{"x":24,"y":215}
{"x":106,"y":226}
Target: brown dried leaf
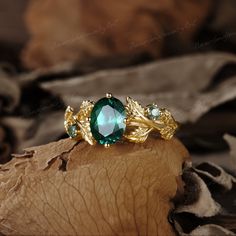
{"x":206,"y":207}
{"x":29,"y":132}
{"x":5,"y":147}
{"x":187,"y":100}
{"x":216,"y":174}
{"x":11,"y":17}
{"x":9,"y":92}
{"x":226,"y":159}
{"x":72,"y":31}
{"x":211,"y":230}
{"x":232,"y":143}
{"x":206,"y":230}
{"x":126,"y":189}
{"x":224,"y":19}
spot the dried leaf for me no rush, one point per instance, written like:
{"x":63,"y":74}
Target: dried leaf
{"x":211,"y":230}
{"x":5,"y":147}
{"x":187,"y":100}
{"x":205,"y":205}
{"x":29,"y":132}
{"x":9,"y":93}
{"x":19,"y":127}
{"x":222,"y":159}
{"x":126,"y":189}
{"x":115,"y":29}
{"x":232,"y":143}
{"x":55,"y":150}
{"x":206,"y":230}
{"x":10,"y":18}
{"x":205,"y":209}
{"x":224,"y":20}
{"x":217,"y":174}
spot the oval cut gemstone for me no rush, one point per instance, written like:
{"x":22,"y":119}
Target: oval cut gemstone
{"x":107,"y":120}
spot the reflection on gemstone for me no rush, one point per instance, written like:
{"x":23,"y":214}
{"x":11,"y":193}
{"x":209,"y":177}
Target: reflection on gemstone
{"x":107,"y":120}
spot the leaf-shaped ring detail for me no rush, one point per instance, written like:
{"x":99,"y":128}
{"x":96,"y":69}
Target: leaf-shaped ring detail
{"x":108,"y":120}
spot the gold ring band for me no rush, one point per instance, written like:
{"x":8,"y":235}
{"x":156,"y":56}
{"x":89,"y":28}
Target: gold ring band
{"x":108,"y":120}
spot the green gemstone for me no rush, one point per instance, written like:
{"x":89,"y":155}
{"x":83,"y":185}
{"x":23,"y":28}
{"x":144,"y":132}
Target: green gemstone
{"x":72,"y":130}
{"x":107,"y":120}
{"x":153,"y":112}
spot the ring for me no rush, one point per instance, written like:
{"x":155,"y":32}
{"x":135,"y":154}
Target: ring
{"x":109,"y":120}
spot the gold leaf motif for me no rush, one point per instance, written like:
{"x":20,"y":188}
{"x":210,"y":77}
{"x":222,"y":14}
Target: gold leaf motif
{"x":167,"y":133}
{"x":86,"y":132}
{"x":134,"y":109}
{"x":83,"y":122}
{"x":135,"y":117}
{"x":139,"y":135}
{"x":69,"y":117}
{"x":85,"y":110}
{"x":170,"y":125}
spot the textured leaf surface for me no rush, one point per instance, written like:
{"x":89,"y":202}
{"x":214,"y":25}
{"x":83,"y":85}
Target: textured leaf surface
{"x":124,"y":190}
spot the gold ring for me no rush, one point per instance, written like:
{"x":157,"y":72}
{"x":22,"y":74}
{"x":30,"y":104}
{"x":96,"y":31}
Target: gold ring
{"x":108,"y":120}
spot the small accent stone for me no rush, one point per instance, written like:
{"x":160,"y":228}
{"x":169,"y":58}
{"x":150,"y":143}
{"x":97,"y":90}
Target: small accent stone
{"x":153,"y":112}
{"x":107,"y":120}
{"x":73,"y":130}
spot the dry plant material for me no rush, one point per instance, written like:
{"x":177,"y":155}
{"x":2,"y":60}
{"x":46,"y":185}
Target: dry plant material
{"x":5,"y":147}
{"x":9,"y":92}
{"x":224,"y":20}
{"x":232,"y":144}
{"x":79,"y":30}
{"x":206,"y":208}
{"x":203,"y":83}
{"x":68,"y":188}
{"x":189,"y":93}
{"x":211,"y":229}
{"x":12,"y":27}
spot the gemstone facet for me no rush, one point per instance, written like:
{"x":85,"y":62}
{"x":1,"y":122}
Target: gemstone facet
{"x":73,"y":130}
{"x":153,"y":112}
{"x":107,"y":120}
